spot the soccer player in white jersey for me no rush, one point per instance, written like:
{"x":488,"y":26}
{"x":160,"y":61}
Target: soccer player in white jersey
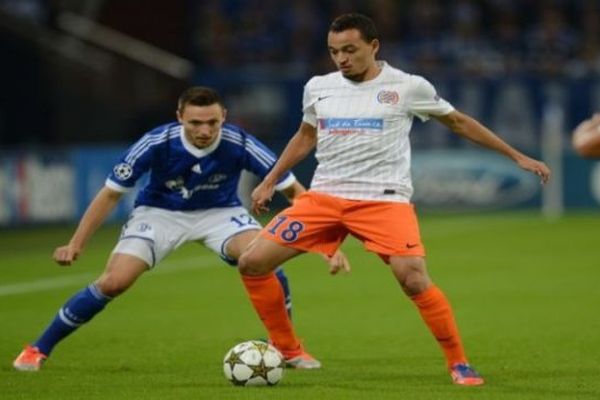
{"x":359,"y":119}
{"x":194,"y":166}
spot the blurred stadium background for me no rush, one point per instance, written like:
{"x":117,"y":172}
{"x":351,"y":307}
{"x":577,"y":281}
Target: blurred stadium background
{"x":83,"y":79}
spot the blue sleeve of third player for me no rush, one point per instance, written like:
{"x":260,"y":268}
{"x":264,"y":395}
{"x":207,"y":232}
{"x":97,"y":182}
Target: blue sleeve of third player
{"x":134,"y":163}
{"x":260,"y":159}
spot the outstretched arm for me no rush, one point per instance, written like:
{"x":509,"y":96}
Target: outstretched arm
{"x":299,"y":146}
{"x":96,"y":213}
{"x":471,"y":129}
{"x":586,"y":137}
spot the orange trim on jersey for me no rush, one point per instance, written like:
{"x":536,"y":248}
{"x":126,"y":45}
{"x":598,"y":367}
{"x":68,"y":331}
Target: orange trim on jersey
{"x":318,"y":222}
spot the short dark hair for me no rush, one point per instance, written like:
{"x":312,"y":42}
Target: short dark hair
{"x":360,"y":22}
{"x":198,"y":96}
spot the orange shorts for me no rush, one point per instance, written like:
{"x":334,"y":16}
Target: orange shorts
{"x":318,"y":222}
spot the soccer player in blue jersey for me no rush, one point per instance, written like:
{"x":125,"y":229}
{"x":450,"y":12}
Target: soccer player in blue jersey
{"x":194,"y":167}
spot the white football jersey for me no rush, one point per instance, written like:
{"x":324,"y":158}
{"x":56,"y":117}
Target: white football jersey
{"x":363,"y":149}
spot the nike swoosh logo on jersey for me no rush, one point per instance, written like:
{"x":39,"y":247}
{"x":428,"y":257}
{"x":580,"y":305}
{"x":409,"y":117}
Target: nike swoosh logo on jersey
{"x":323,"y":97}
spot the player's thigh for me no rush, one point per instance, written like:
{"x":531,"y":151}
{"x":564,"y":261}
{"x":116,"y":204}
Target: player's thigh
{"x":237,"y":244}
{"x":152,"y":233}
{"x":121,"y":271}
{"x":312,"y":224}
{"x":264,"y":255}
{"x":386,"y":228}
{"x":226,"y":231}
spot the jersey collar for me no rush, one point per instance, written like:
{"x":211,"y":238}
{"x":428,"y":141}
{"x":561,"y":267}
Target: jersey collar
{"x":193,"y":150}
{"x":383,"y":70}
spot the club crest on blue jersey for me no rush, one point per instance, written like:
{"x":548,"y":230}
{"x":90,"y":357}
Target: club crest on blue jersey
{"x":388,"y":97}
{"x":123,"y":171}
{"x":216,"y":178}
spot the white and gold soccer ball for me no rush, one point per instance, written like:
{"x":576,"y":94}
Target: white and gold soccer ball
{"x":253,"y":363}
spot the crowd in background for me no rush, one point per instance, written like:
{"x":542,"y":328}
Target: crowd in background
{"x":483,"y":37}
{"x":259,"y":53}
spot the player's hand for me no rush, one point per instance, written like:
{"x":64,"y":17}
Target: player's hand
{"x":66,"y":255}
{"x":337,"y":262}
{"x":535,"y":166}
{"x":261,"y":196}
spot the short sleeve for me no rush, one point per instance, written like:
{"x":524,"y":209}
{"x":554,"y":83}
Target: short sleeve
{"x":260,"y":159}
{"x":287,"y":180}
{"x":308,"y":104}
{"x":132,"y":165}
{"x":424,"y":100}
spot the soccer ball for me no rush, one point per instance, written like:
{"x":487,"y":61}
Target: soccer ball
{"x":253,"y":363}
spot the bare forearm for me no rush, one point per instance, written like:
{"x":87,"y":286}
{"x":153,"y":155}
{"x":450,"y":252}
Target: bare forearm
{"x":96,"y":213}
{"x":301,"y":144}
{"x":471,"y":129}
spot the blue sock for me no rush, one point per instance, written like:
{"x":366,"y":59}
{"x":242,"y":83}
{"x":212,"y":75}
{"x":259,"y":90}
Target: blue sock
{"x":78,"y":310}
{"x":283,"y":281}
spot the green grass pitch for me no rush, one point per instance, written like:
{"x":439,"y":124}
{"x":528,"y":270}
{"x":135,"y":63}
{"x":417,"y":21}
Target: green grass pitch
{"x":525,"y":293}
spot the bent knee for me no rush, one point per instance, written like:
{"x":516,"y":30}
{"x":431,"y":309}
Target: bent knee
{"x":251,"y":263}
{"x":248,"y":264}
{"x":111,"y":287}
{"x":415,"y":284}
{"x":411,"y":273}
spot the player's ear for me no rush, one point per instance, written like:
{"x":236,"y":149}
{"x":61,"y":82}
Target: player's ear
{"x":224,"y":113}
{"x":375,"y":46}
{"x":178,"y":115}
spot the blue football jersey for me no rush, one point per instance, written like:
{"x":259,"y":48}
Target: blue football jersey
{"x":184,"y":177}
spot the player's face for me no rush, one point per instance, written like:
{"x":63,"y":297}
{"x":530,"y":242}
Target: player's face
{"x":352,"y":55}
{"x":202,"y":124}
